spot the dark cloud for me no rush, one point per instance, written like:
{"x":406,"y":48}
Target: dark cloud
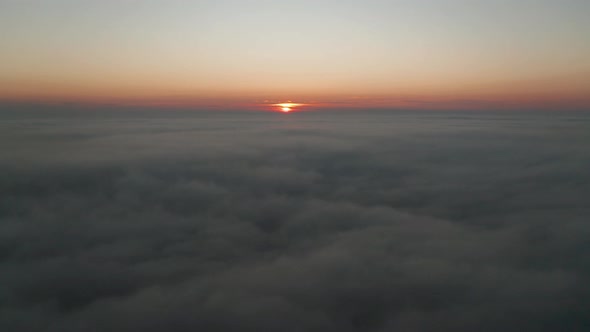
{"x":307,"y":222}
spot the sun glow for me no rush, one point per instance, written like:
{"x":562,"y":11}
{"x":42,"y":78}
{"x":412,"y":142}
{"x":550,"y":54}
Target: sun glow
{"x":287,"y":107}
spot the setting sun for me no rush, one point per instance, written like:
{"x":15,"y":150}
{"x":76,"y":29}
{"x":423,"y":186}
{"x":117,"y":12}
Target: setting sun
{"x":287,"y":107}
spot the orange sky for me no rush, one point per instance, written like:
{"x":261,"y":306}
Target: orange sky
{"x":231,"y":54}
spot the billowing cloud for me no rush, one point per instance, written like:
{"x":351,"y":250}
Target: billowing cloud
{"x":303,"y":222}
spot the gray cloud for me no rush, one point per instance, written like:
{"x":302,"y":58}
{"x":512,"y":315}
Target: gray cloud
{"x":306,"y":222}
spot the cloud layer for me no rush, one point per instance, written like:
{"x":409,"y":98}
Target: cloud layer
{"x":306,"y":222}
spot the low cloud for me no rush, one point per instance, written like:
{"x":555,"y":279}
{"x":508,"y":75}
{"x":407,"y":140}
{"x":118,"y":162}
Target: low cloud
{"x":329,"y":222}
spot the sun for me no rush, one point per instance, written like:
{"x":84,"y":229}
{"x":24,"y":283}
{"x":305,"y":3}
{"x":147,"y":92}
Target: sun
{"x":287,"y":107}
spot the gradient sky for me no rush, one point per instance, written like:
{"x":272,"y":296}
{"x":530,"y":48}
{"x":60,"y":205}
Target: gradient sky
{"x":468,"y":54}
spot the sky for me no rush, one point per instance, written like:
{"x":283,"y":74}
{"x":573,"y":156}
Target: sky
{"x":245,"y":54}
